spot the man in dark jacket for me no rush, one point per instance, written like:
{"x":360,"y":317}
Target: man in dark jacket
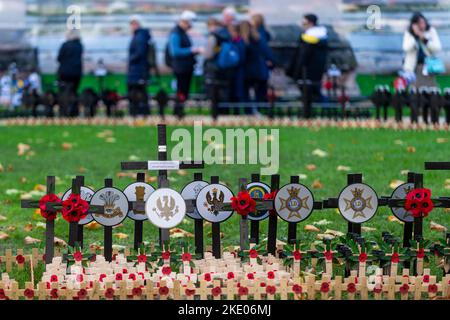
{"x":70,"y":71}
{"x":138,"y":68}
{"x":309,"y":61}
{"x":183,"y":58}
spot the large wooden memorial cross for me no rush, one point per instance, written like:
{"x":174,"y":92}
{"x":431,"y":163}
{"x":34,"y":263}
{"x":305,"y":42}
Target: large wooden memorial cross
{"x":162,"y":165}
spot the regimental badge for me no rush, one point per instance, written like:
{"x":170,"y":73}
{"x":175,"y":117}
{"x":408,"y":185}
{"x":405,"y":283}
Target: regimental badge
{"x":115,"y":203}
{"x":165,"y":208}
{"x":400,"y":193}
{"x":294,"y":202}
{"x":358,"y":203}
{"x":257,"y":190}
{"x":190,"y":192}
{"x":138,"y":191}
{"x":85,"y":194}
{"x":207,"y":200}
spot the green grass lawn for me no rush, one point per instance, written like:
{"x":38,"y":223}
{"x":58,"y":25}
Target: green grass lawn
{"x":381,"y":155}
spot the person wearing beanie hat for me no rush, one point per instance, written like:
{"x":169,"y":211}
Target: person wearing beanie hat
{"x":181,"y":54}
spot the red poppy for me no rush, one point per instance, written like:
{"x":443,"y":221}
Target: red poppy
{"x":426,"y":278}
{"x":432,"y":288}
{"x":351,"y":288}
{"x":362,"y":257}
{"x":420,"y":253}
{"x":186,"y":257}
{"x":271,"y":196}
{"x":109,"y":293}
{"x":328,"y":255}
{"x":20,"y":259}
{"x":93,"y":257}
{"x":270,"y":275}
{"x":136,"y":291}
{"x":53,"y":278}
{"x":328,"y":85}
{"x":43,"y":257}
{"x":271,"y":289}
{"x":189,"y":292}
{"x":262,"y":284}
{"x":102,"y":276}
{"x":427,"y":206}
{"x":230,"y":275}
{"x":297,"y":289}
{"x":114,"y":256}
{"x":124,"y":271}
{"x":297,"y":255}
{"x":207,"y":277}
{"x":404,"y":288}
{"x":216,"y":291}
{"x":142,"y":258}
{"x":377,"y":289}
{"x":2,"y":294}
{"x":243,"y":291}
{"x":49,"y":215}
{"x":165,"y":255}
{"x":250,"y":276}
{"x":80,"y":277}
{"x":141,"y":274}
{"x":166,"y":270}
{"x":54,"y":293}
{"x":119,"y":277}
{"x":163,"y":291}
{"x":414,"y":207}
{"x":132,"y":276}
{"x":82,"y":293}
{"x":395,"y":258}
{"x":325,"y":287}
{"x":28,"y":293}
{"x":47,"y":285}
{"x":74,"y":208}
{"x":243,"y":204}
{"x":78,"y":256}
{"x":253,"y":254}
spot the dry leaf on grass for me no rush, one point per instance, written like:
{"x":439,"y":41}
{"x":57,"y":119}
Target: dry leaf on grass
{"x":1,"y":168}
{"x":40,"y":225}
{"x":317,"y":184}
{"x":59,"y":242}
{"x":30,"y":240}
{"x":110,"y":140}
{"x":182,"y":172}
{"x":23,"y":180}
{"x":3,"y":218}
{"x":320,"y":153}
{"x":40,"y":187}
{"x":437,"y":227}
{"x":120,"y":225}
{"x":441,"y":140}
{"x":3,"y":235}
{"x":322,"y":222}
{"x":11,"y":228}
{"x":221,"y":234}
{"x":120,"y":235}
{"x":28,"y":227}
{"x":82,"y":169}
{"x":311,"y":228}
{"x":395,"y":183}
{"x":311,"y":167}
{"x":95,"y":247}
{"x":394,"y":219}
{"x":22,"y":148}
{"x":151,"y":179}
{"x":66,"y":146}
{"x":343,"y":168}
{"x":334,"y":233}
{"x":180,"y":233}
{"x":94,"y":225}
{"x":398,"y":142}
{"x":323,"y":236}
{"x":411,"y":149}
{"x":368,"y":229}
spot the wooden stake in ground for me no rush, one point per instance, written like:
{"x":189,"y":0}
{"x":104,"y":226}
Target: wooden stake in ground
{"x":273,"y":219}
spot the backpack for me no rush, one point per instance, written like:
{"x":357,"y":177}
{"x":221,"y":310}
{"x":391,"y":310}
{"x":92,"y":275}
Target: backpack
{"x":228,"y":56}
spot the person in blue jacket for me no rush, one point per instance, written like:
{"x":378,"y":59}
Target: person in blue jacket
{"x":138,"y":68}
{"x":183,"y":59}
{"x":259,"y":60}
{"x":237,"y":84}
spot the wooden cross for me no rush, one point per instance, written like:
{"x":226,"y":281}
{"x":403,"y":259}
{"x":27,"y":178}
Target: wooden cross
{"x":162,"y":165}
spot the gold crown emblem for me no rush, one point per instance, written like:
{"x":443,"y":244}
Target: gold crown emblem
{"x":293,"y":192}
{"x":357,"y":193}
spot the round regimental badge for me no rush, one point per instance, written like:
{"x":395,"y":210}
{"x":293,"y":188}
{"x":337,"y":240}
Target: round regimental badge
{"x":165,"y":208}
{"x":85,"y":194}
{"x":209,"y":197}
{"x":400,"y":193}
{"x":257,"y":190}
{"x":115,"y":203}
{"x":358,"y":203}
{"x":138,"y":191}
{"x":294,"y":202}
{"x":190,"y":192}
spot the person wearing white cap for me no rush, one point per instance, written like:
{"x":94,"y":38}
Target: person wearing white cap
{"x":180,"y":56}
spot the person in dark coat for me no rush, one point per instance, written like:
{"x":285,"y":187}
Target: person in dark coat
{"x":70,"y":71}
{"x":237,"y":85}
{"x":183,"y":59}
{"x":310,"y":59}
{"x":259,"y":60}
{"x":138,"y":68}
